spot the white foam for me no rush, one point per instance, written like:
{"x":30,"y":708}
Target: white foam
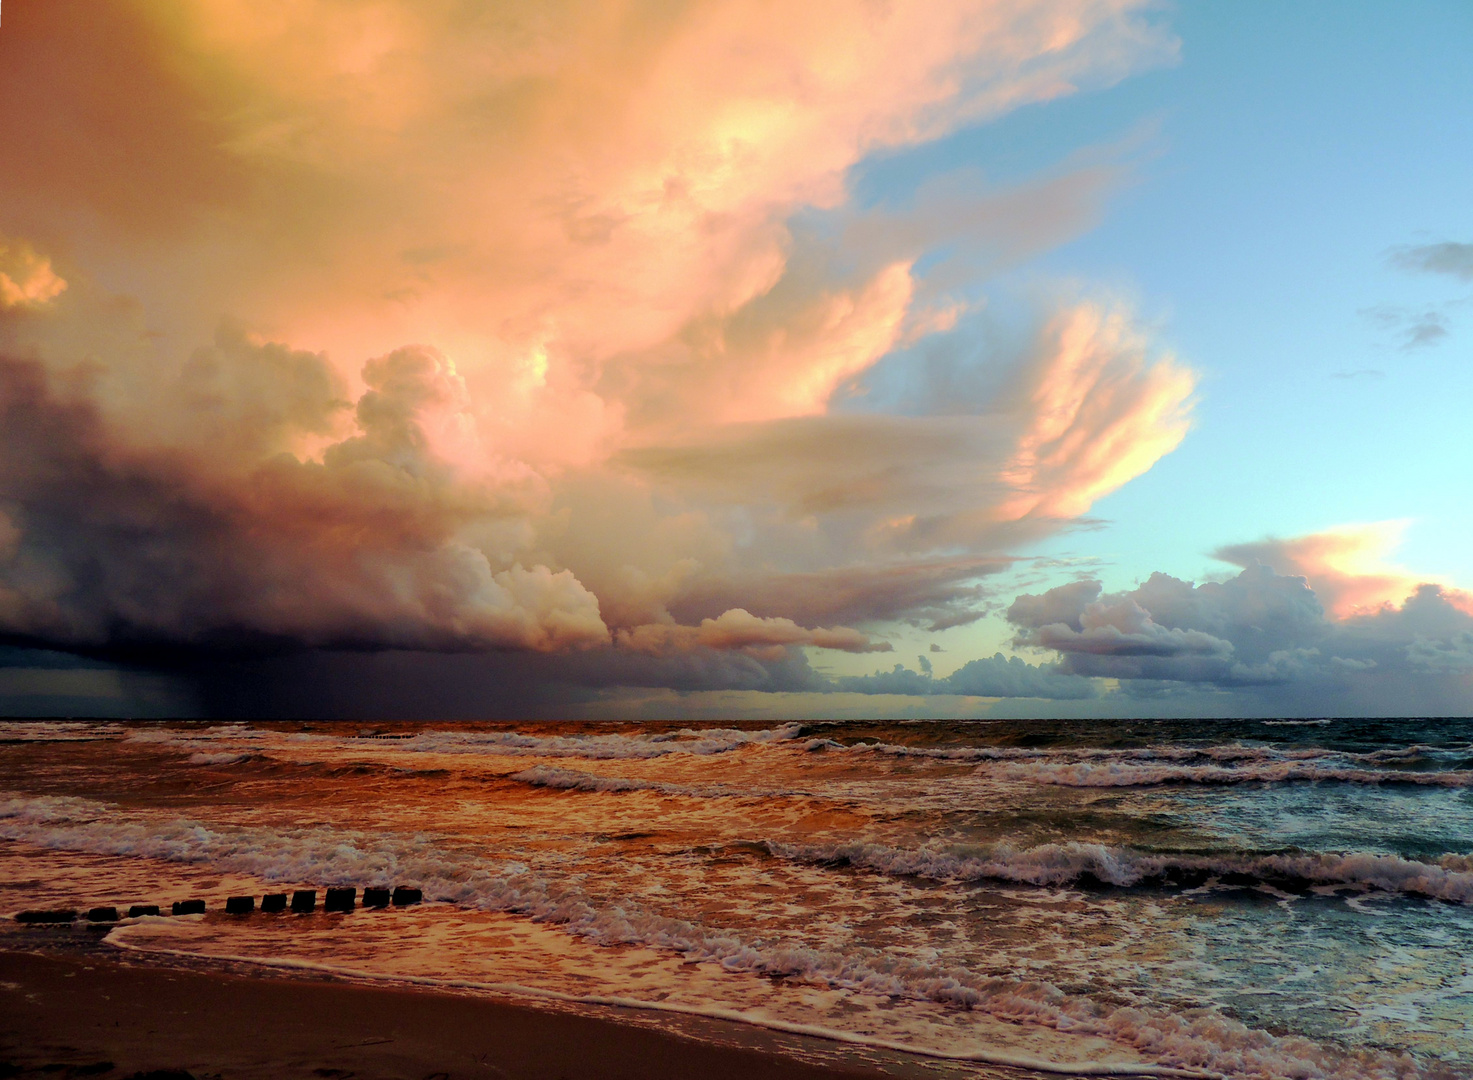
{"x":1208,"y":1042}
{"x":552,"y":776}
{"x":1144,"y":755}
{"x":640,"y":746}
{"x":1449,"y":879}
{"x":1019,"y":1061}
{"x":226,"y":758}
{"x":1085,"y":774}
{"x":58,"y":730}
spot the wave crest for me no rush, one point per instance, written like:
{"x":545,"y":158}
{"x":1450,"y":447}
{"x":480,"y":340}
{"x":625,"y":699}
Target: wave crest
{"x":1449,"y":879}
{"x":1120,"y":774}
{"x":1207,"y":1042}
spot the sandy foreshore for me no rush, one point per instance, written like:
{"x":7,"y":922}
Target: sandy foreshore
{"x":95,"y":1015}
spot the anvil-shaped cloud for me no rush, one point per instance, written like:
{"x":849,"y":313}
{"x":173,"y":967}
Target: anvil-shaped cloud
{"x":457,"y":327}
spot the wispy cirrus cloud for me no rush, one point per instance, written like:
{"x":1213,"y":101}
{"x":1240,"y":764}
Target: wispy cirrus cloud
{"x":1421,"y":327}
{"x":1448,"y":257}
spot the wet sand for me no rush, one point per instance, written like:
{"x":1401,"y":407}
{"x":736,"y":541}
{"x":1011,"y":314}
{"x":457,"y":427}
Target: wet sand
{"x":92,"y":1015}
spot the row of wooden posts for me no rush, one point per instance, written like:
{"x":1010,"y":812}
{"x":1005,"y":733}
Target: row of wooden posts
{"x":301,"y":902}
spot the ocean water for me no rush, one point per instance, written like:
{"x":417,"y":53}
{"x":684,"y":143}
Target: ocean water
{"x":1229,"y":899}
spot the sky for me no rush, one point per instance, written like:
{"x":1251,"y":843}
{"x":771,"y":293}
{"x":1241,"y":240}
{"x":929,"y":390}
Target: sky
{"x":378,"y":358}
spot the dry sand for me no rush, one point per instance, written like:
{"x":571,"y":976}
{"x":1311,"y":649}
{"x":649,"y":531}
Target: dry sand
{"x":65,"y":1016}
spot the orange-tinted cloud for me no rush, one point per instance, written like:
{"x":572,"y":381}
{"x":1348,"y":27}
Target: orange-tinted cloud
{"x":740,"y":629}
{"x":1101,"y":415}
{"x":1347,"y":567}
{"x":461,"y":326}
{"x":26,"y":278}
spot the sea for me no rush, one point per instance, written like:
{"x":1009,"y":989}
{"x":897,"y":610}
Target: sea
{"x":1275,"y":898}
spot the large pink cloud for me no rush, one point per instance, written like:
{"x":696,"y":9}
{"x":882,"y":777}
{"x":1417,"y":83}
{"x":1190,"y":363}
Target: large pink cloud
{"x":437,"y":326}
{"x":1347,"y":567}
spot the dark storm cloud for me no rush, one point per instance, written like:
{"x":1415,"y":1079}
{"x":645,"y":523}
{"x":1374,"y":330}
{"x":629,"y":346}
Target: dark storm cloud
{"x":399,"y":684}
{"x":103,"y":543}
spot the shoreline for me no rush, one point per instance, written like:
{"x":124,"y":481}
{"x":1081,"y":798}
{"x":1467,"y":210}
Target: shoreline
{"x":608,"y":1007}
{"x":85,"y":1013}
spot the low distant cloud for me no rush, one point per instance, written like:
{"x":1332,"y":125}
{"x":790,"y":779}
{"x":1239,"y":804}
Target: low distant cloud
{"x":1359,"y":373}
{"x":1455,"y":653}
{"x":996,"y":676}
{"x":1449,"y":257}
{"x":1321,"y":614}
{"x":1348,"y":568}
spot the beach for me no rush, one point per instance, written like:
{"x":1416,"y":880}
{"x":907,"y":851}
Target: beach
{"x":91,"y":1015}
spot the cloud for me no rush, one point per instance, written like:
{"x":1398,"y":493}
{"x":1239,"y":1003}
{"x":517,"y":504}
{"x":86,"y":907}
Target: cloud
{"x":372,"y":545}
{"x":1346,"y":566}
{"x":418,"y":326}
{"x":1430,"y":325}
{"x":1062,"y":605}
{"x":1126,"y":629}
{"x":996,"y":676}
{"x":935,"y":593}
{"x":1415,"y":329}
{"x":1266,"y":633}
{"x":740,"y":629}
{"x":1428,"y":329}
{"x":1089,"y":410}
{"x":1101,"y":414}
{"x":26,"y":278}
{"x":1453,"y":654}
{"x":1449,"y":257}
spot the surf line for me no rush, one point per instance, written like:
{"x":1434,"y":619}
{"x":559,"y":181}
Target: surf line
{"x":983,"y":1057}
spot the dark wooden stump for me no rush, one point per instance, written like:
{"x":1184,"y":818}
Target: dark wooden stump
{"x":404,"y":896}
{"x":137,"y":911}
{"x":46,"y":916}
{"x":340,"y":899}
{"x":304,"y":901}
{"x":240,"y":905}
{"x":189,"y":907}
{"x":273,"y":902}
{"x":376,"y":898}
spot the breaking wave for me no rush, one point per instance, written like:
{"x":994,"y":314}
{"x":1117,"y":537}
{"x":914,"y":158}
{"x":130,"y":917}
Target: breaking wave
{"x":493,"y":743}
{"x":551,"y":776}
{"x":1450,"y":878}
{"x":1203,"y":1042}
{"x":1122,"y":774}
{"x":59,"y":730}
{"x":1227,"y":753}
{"x":227,"y":757}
